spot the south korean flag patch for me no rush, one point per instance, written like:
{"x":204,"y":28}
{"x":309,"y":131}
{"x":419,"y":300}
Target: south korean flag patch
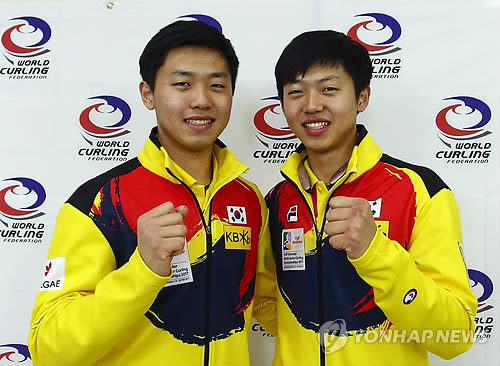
{"x":376,"y":207}
{"x":236,"y":215}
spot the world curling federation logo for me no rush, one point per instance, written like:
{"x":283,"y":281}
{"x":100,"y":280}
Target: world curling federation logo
{"x":14,"y":353}
{"x":20,"y":202}
{"x":24,"y":44}
{"x":379,"y":34}
{"x":482,"y":286}
{"x":273,"y":133}
{"x":102,"y":125}
{"x":461,"y":127}
{"x":203,"y":18}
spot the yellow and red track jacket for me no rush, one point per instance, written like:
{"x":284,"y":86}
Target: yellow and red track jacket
{"x":101,"y":305}
{"x":407,"y":294}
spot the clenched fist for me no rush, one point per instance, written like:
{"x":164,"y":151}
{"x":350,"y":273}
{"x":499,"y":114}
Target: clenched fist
{"x":350,"y":225}
{"x":161,"y":235}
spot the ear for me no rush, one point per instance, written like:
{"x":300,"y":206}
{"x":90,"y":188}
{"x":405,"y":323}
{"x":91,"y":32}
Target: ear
{"x":146,"y":95}
{"x":364,"y":98}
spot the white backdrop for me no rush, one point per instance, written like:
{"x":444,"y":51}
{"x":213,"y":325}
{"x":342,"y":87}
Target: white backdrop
{"x":435,"y":102}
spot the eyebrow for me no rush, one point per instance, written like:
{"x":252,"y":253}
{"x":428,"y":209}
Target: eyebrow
{"x":321,"y":80}
{"x":212,"y":75}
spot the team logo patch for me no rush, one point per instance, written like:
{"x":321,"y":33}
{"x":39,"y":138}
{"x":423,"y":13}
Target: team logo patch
{"x":376,"y":207}
{"x":53,"y":274}
{"x":292,"y":214}
{"x":238,"y":237}
{"x":236,"y":214}
{"x":410,"y":296}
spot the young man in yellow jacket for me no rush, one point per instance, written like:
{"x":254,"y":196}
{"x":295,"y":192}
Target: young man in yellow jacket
{"x":366,"y":249}
{"x":153,"y":262}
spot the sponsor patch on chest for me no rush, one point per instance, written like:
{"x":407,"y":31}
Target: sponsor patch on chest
{"x":292,"y":250}
{"x":238,"y":237}
{"x":292,"y":214}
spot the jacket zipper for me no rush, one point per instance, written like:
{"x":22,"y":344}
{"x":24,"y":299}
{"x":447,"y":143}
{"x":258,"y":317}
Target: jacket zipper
{"x":208,"y":231}
{"x":206,"y":356}
{"x":319,"y":239}
{"x":319,"y":274}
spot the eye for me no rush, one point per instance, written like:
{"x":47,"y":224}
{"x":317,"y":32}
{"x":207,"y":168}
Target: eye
{"x":181,"y":83}
{"x":218,"y":86}
{"x":294,"y":92}
{"x":330,"y":89}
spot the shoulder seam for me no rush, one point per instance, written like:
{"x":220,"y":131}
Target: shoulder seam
{"x":433,"y":183}
{"x":83,"y":197}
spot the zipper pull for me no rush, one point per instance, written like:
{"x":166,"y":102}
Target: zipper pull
{"x":208,"y":230}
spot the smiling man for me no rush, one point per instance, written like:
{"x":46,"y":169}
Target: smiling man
{"x":156,"y":258}
{"x":366,"y":249}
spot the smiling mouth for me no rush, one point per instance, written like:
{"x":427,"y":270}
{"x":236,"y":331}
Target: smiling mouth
{"x":316,"y":125}
{"x":199,"y":122}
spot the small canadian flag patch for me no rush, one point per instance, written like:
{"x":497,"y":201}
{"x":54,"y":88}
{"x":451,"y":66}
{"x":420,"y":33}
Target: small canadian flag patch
{"x":53,"y":274}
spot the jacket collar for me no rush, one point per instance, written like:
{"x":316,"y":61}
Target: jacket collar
{"x":155,"y":158}
{"x":364,"y":156}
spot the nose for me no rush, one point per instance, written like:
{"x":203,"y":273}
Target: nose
{"x":312,"y":103}
{"x":200,"y":98}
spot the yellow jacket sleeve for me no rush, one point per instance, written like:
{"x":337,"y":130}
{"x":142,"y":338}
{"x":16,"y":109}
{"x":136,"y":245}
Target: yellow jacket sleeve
{"x":425,"y":289}
{"x":80,"y":322}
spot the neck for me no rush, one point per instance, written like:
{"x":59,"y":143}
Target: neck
{"x":325,"y":165}
{"x":197,"y":164}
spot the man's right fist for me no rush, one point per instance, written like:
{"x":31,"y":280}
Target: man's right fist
{"x":161,"y":235}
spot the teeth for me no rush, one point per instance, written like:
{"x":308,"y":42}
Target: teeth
{"x":199,"y":122}
{"x":316,"y":125}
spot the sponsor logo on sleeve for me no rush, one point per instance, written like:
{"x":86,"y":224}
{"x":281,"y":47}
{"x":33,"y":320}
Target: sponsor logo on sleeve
{"x":53,"y":274}
{"x":410,"y":296}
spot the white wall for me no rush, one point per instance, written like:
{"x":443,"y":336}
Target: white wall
{"x":446,"y":49}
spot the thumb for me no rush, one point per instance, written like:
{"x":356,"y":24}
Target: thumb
{"x":183,"y":210}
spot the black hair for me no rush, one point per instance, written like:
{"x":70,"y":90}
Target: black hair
{"x":185,"y":33}
{"x":325,"y":48}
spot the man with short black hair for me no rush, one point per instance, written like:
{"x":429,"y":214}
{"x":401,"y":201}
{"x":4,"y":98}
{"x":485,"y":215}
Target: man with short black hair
{"x":157,"y":256}
{"x":366,"y":249}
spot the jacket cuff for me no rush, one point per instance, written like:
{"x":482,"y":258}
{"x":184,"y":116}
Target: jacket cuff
{"x":145,"y":273}
{"x":371,"y":251}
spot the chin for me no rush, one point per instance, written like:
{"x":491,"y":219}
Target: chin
{"x":200,"y":146}
{"x":317,"y":148}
